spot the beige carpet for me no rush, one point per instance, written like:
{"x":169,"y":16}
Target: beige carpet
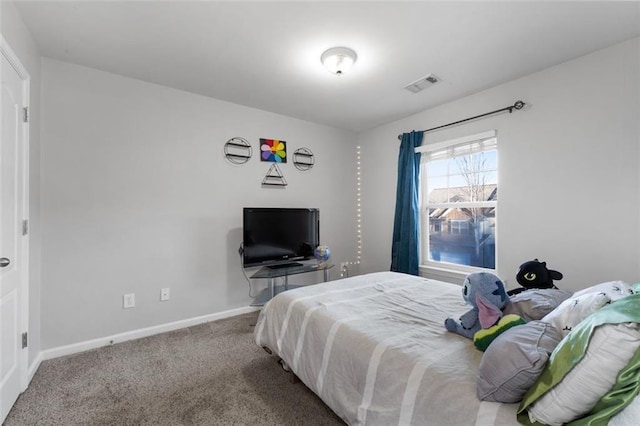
{"x":210,"y":374}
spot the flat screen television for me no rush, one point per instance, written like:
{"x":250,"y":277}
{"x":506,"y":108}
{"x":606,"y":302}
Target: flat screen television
{"x":278,"y":237}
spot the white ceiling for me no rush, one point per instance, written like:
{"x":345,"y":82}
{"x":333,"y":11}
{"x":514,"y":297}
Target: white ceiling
{"x":267,"y":54}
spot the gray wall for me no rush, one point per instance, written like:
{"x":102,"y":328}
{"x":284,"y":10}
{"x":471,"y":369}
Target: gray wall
{"x":568,"y":168}
{"x":137,"y":196}
{"x":18,"y":37}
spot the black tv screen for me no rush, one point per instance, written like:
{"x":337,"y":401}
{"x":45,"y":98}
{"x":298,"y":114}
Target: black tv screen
{"x":279,"y":236}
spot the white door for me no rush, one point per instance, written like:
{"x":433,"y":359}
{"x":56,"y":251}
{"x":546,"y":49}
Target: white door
{"x":13,"y":145}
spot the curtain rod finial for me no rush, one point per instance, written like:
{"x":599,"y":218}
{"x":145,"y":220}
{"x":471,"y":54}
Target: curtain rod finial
{"x":518,"y":105}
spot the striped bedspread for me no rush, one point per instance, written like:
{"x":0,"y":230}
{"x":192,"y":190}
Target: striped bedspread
{"x":375,"y":349}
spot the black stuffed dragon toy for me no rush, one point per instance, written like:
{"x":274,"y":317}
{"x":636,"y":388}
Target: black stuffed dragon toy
{"x":534,"y":274}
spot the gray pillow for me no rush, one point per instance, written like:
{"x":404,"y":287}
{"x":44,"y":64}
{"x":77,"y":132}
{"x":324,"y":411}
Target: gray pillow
{"x":536,"y":303}
{"x":514,"y":360}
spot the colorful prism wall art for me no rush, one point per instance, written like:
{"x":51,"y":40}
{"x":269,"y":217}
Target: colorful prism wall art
{"x":273,"y":150}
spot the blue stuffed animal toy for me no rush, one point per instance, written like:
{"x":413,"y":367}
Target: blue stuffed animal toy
{"x":486,"y":294}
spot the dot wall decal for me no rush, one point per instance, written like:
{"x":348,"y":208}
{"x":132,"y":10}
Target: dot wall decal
{"x":303,"y":159}
{"x":237,"y":150}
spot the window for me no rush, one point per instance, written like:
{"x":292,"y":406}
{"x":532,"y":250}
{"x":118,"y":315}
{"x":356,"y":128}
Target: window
{"x":459,"y":197}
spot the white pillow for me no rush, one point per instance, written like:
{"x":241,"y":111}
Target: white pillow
{"x":574,"y":309}
{"x":610,"y":349}
{"x":614,"y":289}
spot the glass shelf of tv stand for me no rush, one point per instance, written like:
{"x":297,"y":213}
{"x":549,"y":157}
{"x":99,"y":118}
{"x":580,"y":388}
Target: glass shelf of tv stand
{"x":284,"y":272}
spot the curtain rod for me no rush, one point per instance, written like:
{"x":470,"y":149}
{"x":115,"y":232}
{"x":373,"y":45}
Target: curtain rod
{"x":517,"y":105}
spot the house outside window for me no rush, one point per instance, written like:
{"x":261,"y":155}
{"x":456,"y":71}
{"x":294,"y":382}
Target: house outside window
{"x":459,"y":201}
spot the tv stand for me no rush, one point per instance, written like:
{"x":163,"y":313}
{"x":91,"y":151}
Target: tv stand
{"x":284,"y":265}
{"x":283,"y":272}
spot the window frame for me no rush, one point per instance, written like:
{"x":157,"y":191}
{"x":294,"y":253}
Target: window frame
{"x":453,"y":270}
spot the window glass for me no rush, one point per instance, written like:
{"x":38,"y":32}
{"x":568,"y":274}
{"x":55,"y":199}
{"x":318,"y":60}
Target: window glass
{"x":459,"y":196}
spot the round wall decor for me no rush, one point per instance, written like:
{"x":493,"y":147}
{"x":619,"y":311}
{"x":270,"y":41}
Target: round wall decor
{"x":303,"y":159}
{"x":237,"y":150}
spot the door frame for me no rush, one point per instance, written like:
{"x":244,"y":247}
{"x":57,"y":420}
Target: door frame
{"x":14,"y":61}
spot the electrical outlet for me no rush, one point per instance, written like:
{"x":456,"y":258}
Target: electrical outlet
{"x":344,"y":269}
{"x":164,"y":294}
{"x":129,"y":300}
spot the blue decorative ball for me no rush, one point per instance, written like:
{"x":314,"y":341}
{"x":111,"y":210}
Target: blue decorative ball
{"x":322,"y":253}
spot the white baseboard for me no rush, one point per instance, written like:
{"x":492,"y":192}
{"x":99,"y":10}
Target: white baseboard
{"x":34,"y":366}
{"x":134,"y":334}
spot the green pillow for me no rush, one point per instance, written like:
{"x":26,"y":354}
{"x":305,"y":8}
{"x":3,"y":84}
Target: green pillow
{"x":571,"y":351}
{"x":483,"y":337}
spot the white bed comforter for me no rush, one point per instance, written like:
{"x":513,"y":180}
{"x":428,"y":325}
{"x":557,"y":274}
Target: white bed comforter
{"x":375,"y":349}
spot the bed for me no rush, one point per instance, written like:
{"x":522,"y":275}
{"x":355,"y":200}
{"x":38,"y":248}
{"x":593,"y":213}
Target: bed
{"x":375,"y":350}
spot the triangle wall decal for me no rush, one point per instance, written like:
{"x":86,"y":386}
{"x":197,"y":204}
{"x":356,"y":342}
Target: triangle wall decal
{"x":274,"y":177}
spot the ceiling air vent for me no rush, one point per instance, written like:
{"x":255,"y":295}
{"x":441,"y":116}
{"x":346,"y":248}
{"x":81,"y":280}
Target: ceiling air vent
{"x":422,"y":83}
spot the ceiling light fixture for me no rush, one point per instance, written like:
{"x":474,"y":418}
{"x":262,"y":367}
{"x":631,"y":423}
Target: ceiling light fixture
{"x":338,"y":60}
